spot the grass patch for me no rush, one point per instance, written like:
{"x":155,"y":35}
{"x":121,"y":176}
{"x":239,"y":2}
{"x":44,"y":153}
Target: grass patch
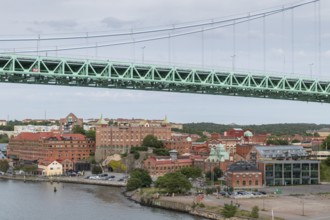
{"x":296,"y":194}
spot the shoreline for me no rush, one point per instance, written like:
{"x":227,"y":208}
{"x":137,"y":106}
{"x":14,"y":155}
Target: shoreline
{"x":75,"y":180}
{"x":173,"y":206}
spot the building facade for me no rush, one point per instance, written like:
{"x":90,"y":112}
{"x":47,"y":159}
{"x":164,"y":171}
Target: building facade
{"x":290,"y":172}
{"x":67,"y":123}
{"x":182,"y":145}
{"x":119,"y":139}
{"x":51,"y":169}
{"x":243,"y":175}
{"x":160,"y":165}
{"x":45,"y":147}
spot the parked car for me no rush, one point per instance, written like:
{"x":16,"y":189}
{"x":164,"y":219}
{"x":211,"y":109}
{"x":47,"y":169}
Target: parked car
{"x":223,"y":193}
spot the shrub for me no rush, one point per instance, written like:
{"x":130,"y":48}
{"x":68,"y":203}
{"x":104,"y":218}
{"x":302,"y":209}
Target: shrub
{"x":255,"y":212}
{"x":229,"y":210}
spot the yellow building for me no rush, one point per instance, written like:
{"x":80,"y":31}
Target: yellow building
{"x":52,"y":169}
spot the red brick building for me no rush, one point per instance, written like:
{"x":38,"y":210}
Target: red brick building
{"x":67,"y":123}
{"x":160,"y":165}
{"x":234,"y":132}
{"x":243,"y":175}
{"x":47,"y":146}
{"x":119,"y":139}
{"x":182,"y":145}
{"x":243,"y":150}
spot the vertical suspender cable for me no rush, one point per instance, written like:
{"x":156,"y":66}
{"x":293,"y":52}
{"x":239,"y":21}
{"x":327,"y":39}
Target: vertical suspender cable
{"x":169,"y":48}
{"x":132,"y":46}
{"x":38,"y":44}
{"x":87,"y":43}
{"x":319,"y":39}
{"x":249,"y":41}
{"x":292,"y":41}
{"x":264,"y":42}
{"x":315,"y":32}
{"x":96,"y":49}
{"x":203,"y":47}
{"x":283,"y":38}
{"x":234,"y":46}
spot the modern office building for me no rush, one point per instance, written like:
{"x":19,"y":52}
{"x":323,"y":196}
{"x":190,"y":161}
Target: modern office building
{"x":290,"y":172}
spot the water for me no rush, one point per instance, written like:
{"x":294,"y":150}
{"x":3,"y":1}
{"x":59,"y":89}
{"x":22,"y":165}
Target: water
{"x":34,"y":201}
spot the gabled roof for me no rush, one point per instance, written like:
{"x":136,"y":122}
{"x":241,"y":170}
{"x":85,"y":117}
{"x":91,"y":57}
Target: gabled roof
{"x":27,"y":136}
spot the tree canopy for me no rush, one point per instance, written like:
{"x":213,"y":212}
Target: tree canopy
{"x":139,"y":178}
{"x":217,"y":173}
{"x":191,"y":172}
{"x":4,"y":165}
{"x":326,"y":143}
{"x":174,"y":183}
{"x":152,"y":141}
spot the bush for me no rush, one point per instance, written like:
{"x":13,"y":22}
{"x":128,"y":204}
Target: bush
{"x":136,"y":155}
{"x":133,"y":183}
{"x":174,"y":183}
{"x":229,"y":210}
{"x":4,"y":165}
{"x":96,"y":169}
{"x":255,"y":212}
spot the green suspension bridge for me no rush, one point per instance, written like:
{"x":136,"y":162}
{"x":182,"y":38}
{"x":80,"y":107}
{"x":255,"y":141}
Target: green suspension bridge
{"x":15,"y":67}
{"x":107,"y":74}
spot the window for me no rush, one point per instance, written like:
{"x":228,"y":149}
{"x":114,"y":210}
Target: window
{"x":257,"y":182}
{"x":237,"y":183}
{"x":250,"y":182}
{"x":244,"y":183}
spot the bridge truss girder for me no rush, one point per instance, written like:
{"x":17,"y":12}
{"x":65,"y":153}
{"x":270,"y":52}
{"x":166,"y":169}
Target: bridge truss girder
{"x":107,"y":74}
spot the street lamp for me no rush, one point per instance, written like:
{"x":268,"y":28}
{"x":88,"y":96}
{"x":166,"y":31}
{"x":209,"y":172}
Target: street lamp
{"x":143,"y":53}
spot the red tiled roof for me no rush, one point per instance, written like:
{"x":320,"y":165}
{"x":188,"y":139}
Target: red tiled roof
{"x":45,"y":135}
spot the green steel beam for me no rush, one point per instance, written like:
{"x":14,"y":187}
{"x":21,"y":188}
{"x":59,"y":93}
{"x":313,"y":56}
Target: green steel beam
{"x":107,"y":74}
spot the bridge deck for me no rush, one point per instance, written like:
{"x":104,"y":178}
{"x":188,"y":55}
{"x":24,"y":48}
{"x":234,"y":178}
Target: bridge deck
{"x":107,"y":74}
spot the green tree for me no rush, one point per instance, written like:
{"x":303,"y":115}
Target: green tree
{"x":152,"y":141}
{"x":77,"y":129}
{"x":136,"y":155}
{"x":217,"y":173}
{"x":174,"y":183}
{"x":96,"y":169}
{"x":133,"y":183}
{"x":4,"y":165}
{"x":142,"y":175}
{"x":229,"y":210}
{"x":191,"y":172}
{"x":326,"y":143}
{"x":161,"y":152}
{"x":91,"y":134}
{"x":4,"y":138}
{"x":117,"y":166}
{"x":255,"y":212}
{"x":294,"y":141}
{"x":327,"y":161}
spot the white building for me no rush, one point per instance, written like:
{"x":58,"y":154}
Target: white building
{"x":52,"y":169}
{"x":35,"y":128}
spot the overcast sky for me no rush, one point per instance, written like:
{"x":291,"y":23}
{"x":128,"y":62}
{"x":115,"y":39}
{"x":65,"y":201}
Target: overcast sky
{"x":49,"y":18}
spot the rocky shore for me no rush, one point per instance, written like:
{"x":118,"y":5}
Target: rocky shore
{"x":170,"y":204}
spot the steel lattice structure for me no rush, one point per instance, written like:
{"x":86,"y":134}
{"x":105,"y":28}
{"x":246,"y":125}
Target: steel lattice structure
{"x":107,"y":74}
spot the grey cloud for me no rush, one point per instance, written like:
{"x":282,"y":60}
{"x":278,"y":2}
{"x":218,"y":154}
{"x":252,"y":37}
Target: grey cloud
{"x":114,"y":23}
{"x":57,"y":24}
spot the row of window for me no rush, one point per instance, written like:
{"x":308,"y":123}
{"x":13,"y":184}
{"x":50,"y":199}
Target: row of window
{"x":256,"y":183}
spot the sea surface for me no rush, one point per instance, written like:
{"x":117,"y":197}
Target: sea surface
{"x":34,"y":201}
